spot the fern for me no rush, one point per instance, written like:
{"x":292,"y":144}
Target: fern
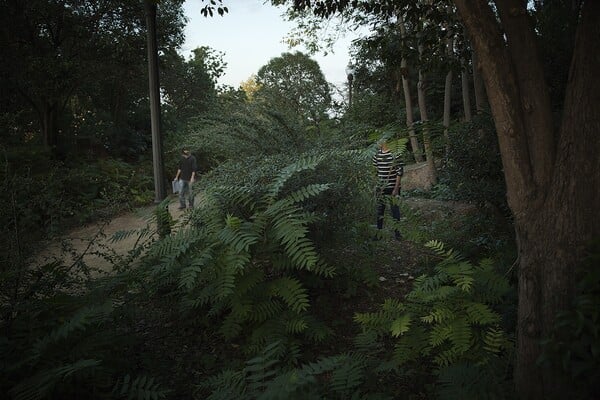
{"x":301,"y":165}
{"x":140,"y":388}
{"x":292,"y":293}
{"x":41,"y":384}
{"x":444,"y":320}
{"x":267,"y":377}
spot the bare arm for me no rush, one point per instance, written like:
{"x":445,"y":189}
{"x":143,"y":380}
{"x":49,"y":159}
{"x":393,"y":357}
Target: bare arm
{"x":396,"y":186}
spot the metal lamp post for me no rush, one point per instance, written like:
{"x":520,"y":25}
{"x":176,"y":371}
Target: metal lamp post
{"x":350,"y":76}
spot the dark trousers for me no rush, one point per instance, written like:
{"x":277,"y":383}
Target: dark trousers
{"x":382,"y":200}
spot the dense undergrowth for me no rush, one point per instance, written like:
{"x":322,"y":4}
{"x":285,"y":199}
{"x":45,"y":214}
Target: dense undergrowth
{"x":272,"y":288}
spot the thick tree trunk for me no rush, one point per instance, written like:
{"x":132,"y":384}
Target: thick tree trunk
{"x":480,"y":95}
{"x":551,"y":194}
{"x":575,"y":189}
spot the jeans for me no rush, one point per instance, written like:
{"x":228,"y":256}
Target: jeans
{"x":186,"y":191}
{"x":382,"y":200}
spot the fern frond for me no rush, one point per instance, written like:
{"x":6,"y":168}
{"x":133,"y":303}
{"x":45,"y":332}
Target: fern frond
{"x":84,"y":318}
{"x":295,"y":325}
{"x":400,"y":325}
{"x":291,"y":292}
{"x":438,"y":314}
{"x":494,"y":340}
{"x":461,"y":336}
{"x":303,"y":164}
{"x":140,"y":388}
{"x":265,"y":310}
{"x":40,"y":385}
{"x":447,"y":357}
{"x":366,"y":340}
{"x":323,"y":269}
{"x":480,"y":314}
{"x":231,"y":326}
{"x":348,"y":375}
{"x":190,"y":273}
{"x":240,"y":235}
{"x":307,"y":192}
{"x":411,"y":346}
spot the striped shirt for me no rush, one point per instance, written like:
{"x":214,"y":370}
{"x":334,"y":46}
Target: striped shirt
{"x":388,"y":168}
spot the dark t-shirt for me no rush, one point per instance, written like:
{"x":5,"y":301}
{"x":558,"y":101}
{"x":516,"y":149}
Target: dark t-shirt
{"x":187,"y":166}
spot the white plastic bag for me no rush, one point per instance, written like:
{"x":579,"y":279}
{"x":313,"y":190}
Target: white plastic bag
{"x":176,"y":184}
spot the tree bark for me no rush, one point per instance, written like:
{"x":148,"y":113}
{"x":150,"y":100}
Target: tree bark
{"x":424,"y":122}
{"x":160,"y":192}
{"x":50,"y":126}
{"x":466,"y":95}
{"x":480,"y":95}
{"x":414,"y":141}
{"x":551,"y":194}
{"x":447,"y":97}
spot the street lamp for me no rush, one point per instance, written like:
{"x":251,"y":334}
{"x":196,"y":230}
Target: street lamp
{"x":350,"y":76}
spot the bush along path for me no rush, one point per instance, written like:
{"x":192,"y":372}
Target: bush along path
{"x":331,"y":318}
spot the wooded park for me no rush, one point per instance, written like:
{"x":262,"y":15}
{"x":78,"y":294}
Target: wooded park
{"x":281,"y":282}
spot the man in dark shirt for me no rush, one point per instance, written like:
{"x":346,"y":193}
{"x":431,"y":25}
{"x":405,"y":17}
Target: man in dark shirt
{"x":389,"y":171}
{"x":187,"y":173}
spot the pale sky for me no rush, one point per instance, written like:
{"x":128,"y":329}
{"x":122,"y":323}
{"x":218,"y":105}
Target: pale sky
{"x":250,"y":35}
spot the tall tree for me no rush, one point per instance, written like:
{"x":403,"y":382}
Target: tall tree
{"x":190,"y":85}
{"x":160,"y":191}
{"x":296,"y":81}
{"x":70,"y":58}
{"x":414,"y":141}
{"x":552,"y":171}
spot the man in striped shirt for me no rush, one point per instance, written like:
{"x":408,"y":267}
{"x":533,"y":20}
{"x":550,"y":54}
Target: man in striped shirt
{"x":389,"y":171}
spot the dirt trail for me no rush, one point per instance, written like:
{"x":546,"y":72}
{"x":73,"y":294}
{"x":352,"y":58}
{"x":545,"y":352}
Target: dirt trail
{"x":95,"y":239}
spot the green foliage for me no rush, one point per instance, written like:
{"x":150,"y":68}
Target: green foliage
{"x":63,"y":346}
{"x":77,"y":72}
{"x":140,"y":388}
{"x":243,"y":259}
{"x":294,"y":83}
{"x":45,"y":196}
{"x":473,"y":168}
{"x":268,"y":377}
{"x":448,"y":320}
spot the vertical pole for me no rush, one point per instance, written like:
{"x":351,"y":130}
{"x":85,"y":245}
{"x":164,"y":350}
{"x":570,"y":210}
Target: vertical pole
{"x":350,"y":79}
{"x":157,"y":159}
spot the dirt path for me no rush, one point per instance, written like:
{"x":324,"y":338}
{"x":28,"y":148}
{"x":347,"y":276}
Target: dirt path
{"x":94,"y":241}
{"x":94,"y":245}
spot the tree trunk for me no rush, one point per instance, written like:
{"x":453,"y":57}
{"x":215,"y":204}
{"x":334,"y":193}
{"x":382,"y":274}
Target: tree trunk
{"x":465,"y":84}
{"x":414,"y":141}
{"x":551,"y":194}
{"x":466,"y":96}
{"x":447,"y":97}
{"x":160,"y":192}
{"x":480,"y":95}
{"x":424,"y":123}
{"x":50,"y":126}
